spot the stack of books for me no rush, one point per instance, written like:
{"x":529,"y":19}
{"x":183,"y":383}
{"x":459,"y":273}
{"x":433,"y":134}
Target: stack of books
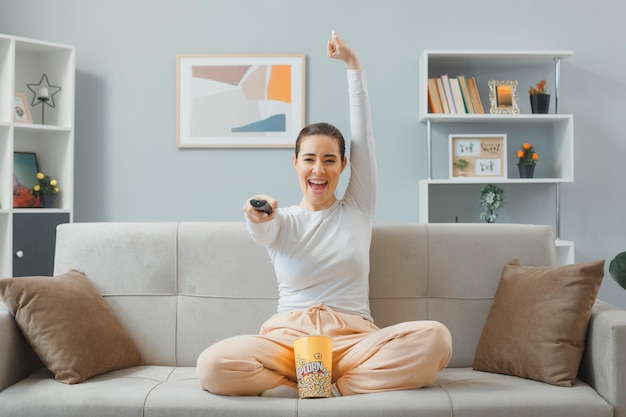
{"x":454,"y":95}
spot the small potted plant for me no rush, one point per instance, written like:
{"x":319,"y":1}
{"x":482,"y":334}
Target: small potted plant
{"x":461,"y":164}
{"x":539,"y":98}
{"x":491,"y":198}
{"x":47,"y":189}
{"x":527,"y":158}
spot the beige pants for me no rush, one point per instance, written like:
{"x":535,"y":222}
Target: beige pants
{"x":365,"y":358}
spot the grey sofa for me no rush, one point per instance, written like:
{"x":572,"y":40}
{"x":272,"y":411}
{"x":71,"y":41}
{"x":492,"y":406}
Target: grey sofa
{"x":178,"y":287}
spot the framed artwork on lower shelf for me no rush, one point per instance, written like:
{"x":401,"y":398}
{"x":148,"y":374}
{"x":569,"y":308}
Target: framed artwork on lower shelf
{"x":478,"y":156}
{"x":25,"y":169}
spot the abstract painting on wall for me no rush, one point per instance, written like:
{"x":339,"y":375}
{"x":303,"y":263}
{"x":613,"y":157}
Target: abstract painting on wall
{"x":239,"y":100}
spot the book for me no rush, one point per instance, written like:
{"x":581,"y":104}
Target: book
{"x":434,"y":100}
{"x":467,"y":98}
{"x":457,"y":96}
{"x":442,"y":95}
{"x":478,"y":105}
{"x":445,"y":80}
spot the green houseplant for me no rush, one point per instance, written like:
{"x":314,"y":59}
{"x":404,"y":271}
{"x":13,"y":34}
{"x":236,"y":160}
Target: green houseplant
{"x":491,"y":198}
{"x":617,"y":269}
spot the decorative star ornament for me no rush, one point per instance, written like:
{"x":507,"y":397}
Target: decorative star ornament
{"x":46,"y":98}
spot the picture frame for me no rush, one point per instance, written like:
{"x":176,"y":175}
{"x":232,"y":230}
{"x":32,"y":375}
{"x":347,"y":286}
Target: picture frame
{"x":503,"y":97}
{"x":484,"y":156}
{"x":25,"y":169}
{"x":21,"y":111}
{"x":239,"y":100}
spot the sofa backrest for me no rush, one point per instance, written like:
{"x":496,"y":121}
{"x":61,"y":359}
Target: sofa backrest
{"x":179,"y":287}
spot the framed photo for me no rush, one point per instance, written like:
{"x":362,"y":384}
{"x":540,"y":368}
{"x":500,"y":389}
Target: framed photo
{"x":478,"y":156}
{"x":25,"y":169}
{"x":21,"y":111}
{"x":503,"y":97}
{"x":239,"y":100}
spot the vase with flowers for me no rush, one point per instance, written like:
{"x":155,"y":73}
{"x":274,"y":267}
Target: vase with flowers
{"x":539,"y":98}
{"x":527,"y":158}
{"x":491,"y":198}
{"x":46,"y":189}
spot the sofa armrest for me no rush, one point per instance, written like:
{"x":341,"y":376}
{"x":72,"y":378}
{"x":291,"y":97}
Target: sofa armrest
{"x":17,"y":359}
{"x":604,"y":362}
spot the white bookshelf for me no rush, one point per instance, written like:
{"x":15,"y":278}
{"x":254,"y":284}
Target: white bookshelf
{"x":24,"y":61}
{"x":552,"y":134}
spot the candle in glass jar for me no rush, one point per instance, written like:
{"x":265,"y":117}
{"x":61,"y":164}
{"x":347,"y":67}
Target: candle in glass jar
{"x":43,"y":93}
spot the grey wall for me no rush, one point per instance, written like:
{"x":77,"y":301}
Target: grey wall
{"x":129,"y":169}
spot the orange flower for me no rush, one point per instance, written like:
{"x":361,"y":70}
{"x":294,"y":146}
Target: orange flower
{"x":527,"y":154}
{"x":540,"y":88}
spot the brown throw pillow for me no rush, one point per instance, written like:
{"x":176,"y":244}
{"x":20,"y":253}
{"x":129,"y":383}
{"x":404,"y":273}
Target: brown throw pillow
{"x":69,"y":325}
{"x":537,"y":325}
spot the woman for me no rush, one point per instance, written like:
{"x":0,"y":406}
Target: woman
{"x":320,"y":252}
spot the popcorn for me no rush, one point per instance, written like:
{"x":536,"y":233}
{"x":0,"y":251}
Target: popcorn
{"x":314,"y":380}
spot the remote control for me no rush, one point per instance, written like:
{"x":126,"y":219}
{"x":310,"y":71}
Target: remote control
{"x":261,"y":205}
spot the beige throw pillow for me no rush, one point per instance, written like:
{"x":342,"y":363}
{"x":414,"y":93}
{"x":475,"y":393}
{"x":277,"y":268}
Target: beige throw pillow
{"x":537,"y":325}
{"x":69,"y":325}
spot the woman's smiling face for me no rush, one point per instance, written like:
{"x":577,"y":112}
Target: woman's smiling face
{"x":319,"y":166}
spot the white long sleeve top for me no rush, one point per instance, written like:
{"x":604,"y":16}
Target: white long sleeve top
{"x":322,"y":257}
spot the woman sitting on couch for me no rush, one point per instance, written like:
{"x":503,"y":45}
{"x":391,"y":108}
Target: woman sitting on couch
{"x":320,"y":252}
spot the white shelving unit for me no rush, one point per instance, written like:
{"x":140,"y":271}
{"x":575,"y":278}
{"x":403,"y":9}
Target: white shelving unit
{"x":24,"y":61}
{"x":552,"y":134}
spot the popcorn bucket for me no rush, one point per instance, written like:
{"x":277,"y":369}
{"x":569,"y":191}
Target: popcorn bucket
{"x":314,"y":362}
